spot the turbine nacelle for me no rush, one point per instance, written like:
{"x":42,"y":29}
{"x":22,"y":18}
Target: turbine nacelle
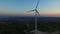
{"x":34,"y":10}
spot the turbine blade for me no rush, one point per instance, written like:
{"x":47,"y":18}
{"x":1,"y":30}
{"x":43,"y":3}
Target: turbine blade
{"x":38,"y":13}
{"x":30,"y":10}
{"x":37,"y":4}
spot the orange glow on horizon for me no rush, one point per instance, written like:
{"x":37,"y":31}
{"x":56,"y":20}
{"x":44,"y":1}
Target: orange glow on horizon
{"x":50,"y":14}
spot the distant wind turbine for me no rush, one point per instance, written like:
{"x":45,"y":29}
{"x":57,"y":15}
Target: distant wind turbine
{"x":36,"y":14}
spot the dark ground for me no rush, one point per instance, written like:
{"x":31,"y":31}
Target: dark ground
{"x":17,"y":25}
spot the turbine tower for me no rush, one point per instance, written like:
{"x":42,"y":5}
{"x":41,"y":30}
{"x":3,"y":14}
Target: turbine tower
{"x":36,"y":14}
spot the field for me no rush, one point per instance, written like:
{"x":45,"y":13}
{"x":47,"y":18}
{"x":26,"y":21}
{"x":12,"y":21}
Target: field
{"x":21,"y":25}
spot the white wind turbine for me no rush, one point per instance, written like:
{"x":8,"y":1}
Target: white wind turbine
{"x":36,"y":14}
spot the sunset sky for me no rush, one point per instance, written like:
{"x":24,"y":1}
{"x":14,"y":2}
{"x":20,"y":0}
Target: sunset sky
{"x":20,"y":7}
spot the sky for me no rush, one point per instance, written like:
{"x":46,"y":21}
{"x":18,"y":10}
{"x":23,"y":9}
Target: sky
{"x":20,"y":7}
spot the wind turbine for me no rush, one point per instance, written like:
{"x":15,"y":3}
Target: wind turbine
{"x":36,"y":14}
